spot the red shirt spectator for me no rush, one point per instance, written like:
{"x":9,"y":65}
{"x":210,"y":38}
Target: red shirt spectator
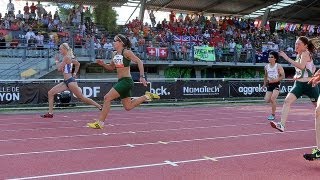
{"x":26,"y":9}
{"x":33,"y":8}
{"x":172,"y":17}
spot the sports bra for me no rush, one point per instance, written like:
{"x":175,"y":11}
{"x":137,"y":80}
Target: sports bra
{"x":120,"y":61}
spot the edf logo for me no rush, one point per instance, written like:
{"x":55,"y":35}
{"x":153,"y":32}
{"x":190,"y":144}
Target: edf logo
{"x":90,"y":91}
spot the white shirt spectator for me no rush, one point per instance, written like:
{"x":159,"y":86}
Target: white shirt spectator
{"x":206,"y":34}
{"x":232,"y":45}
{"x":290,"y":49}
{"x":108,"y":46}
{"x":19,"y":15}
{"x":134,"y":42}
{"x":29,"y":34}
{"x":10,"y":7}
{"x":39,"y":39}
{"x":248,"y":46}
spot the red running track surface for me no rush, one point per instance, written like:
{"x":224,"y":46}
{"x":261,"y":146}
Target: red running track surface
{"x":180,"y":143}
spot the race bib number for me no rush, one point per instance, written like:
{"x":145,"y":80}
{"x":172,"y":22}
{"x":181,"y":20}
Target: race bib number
{"x":118,"y":61}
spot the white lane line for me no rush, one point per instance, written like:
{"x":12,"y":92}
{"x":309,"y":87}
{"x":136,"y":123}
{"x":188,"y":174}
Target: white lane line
{"x":130,"y":145}
{"x":132,"y":132}
{"x":150,"y":143}
{"x":210,"y":158}
{"x":128,"y":124}
{"x":162,"y":142}
{"x":159,"y":164}
{"x":171,"y":163}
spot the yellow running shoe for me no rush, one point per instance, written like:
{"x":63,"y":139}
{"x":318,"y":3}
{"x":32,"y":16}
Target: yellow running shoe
{"x":95,"y":125}
{"x":151,"y":96}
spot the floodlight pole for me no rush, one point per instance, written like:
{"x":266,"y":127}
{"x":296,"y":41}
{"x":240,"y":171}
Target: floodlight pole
{"x":133,"y":12}
{"x":142,"y":9}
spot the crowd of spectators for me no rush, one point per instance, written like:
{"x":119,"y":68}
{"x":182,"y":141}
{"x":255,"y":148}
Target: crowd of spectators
{"x":233,"y":38}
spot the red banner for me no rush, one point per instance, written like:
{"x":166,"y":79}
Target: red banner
{"x":158,"y":52}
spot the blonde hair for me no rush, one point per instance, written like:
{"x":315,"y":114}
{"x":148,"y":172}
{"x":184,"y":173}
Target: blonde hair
{"x":69,"y":50}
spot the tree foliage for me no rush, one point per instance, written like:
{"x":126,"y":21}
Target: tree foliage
{"x":105,"y":16}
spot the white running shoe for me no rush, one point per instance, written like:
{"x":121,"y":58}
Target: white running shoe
{"x":277,"y":125}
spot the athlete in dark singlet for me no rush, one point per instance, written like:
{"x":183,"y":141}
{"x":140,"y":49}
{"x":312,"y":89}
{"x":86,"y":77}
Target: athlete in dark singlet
{"x":121,"y":62}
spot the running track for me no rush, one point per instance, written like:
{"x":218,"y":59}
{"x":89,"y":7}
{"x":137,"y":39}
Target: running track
{"x":169,"y":143}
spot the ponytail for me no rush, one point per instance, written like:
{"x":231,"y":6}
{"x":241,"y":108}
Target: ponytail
{"x":306,"y":41}
{"x":69,"y":50}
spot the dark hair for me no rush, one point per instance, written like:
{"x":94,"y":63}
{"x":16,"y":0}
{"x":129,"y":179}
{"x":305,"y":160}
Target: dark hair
{"x":307,"y":42}
{"x":275,"y":55}
{"x":124,"y":40}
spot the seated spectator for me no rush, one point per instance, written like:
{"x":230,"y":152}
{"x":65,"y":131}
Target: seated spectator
{"x":29,"y":34}
{"x":32,"y":41}
{"x":14,"y":43}
{"x":39,"y":38}
{"x":51,"y":44}
{"x":109,"y":48}
{"x":2,"y":42}
{"x":19,"y":15}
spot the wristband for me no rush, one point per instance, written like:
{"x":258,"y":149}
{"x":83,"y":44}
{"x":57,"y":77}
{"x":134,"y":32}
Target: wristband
{"x":142,"y":76}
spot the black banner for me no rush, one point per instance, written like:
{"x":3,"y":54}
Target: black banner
{"x":201,"y":89}
{"x":254,"y":88}
{"x":37,"y":93}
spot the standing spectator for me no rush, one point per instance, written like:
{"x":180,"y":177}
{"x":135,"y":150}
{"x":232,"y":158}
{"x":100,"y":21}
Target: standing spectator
{"x":39,"y":10}
{"x":152,"y":18}
{"x":10,"y":8}
{"x":26,"y":12}
{"x":33,"y":9}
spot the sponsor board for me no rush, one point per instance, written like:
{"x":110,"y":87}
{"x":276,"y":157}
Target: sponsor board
{"x":254,"y":88}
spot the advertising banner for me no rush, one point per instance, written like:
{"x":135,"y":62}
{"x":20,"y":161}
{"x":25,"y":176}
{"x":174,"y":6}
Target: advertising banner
{"x":254,"y":88}
{"x":201,"y":89}
{"x":204,"y":53}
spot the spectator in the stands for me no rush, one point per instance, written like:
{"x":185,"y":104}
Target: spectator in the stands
{"x":29,"y":34}
{"x":39,"y":38}
{"x":19,"y":15}
{"x":32,"y":41}
{"x":40,"y":10}
{"x":152,"y":18}
{"x":26,"y":13}
{"x":10,"y":8}
{"x":2,"y":41}
{"x":33,"y":9}
{"x":108,"y":46}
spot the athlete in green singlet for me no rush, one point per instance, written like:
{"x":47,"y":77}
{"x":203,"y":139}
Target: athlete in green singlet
{"x":121,"y":62}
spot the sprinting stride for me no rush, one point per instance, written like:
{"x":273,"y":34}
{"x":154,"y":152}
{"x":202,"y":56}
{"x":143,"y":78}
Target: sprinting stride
{"x":274,"y":73}
{"x":69,"y":82}
{"x":305,"y":69}
{"x":121,"y":62}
